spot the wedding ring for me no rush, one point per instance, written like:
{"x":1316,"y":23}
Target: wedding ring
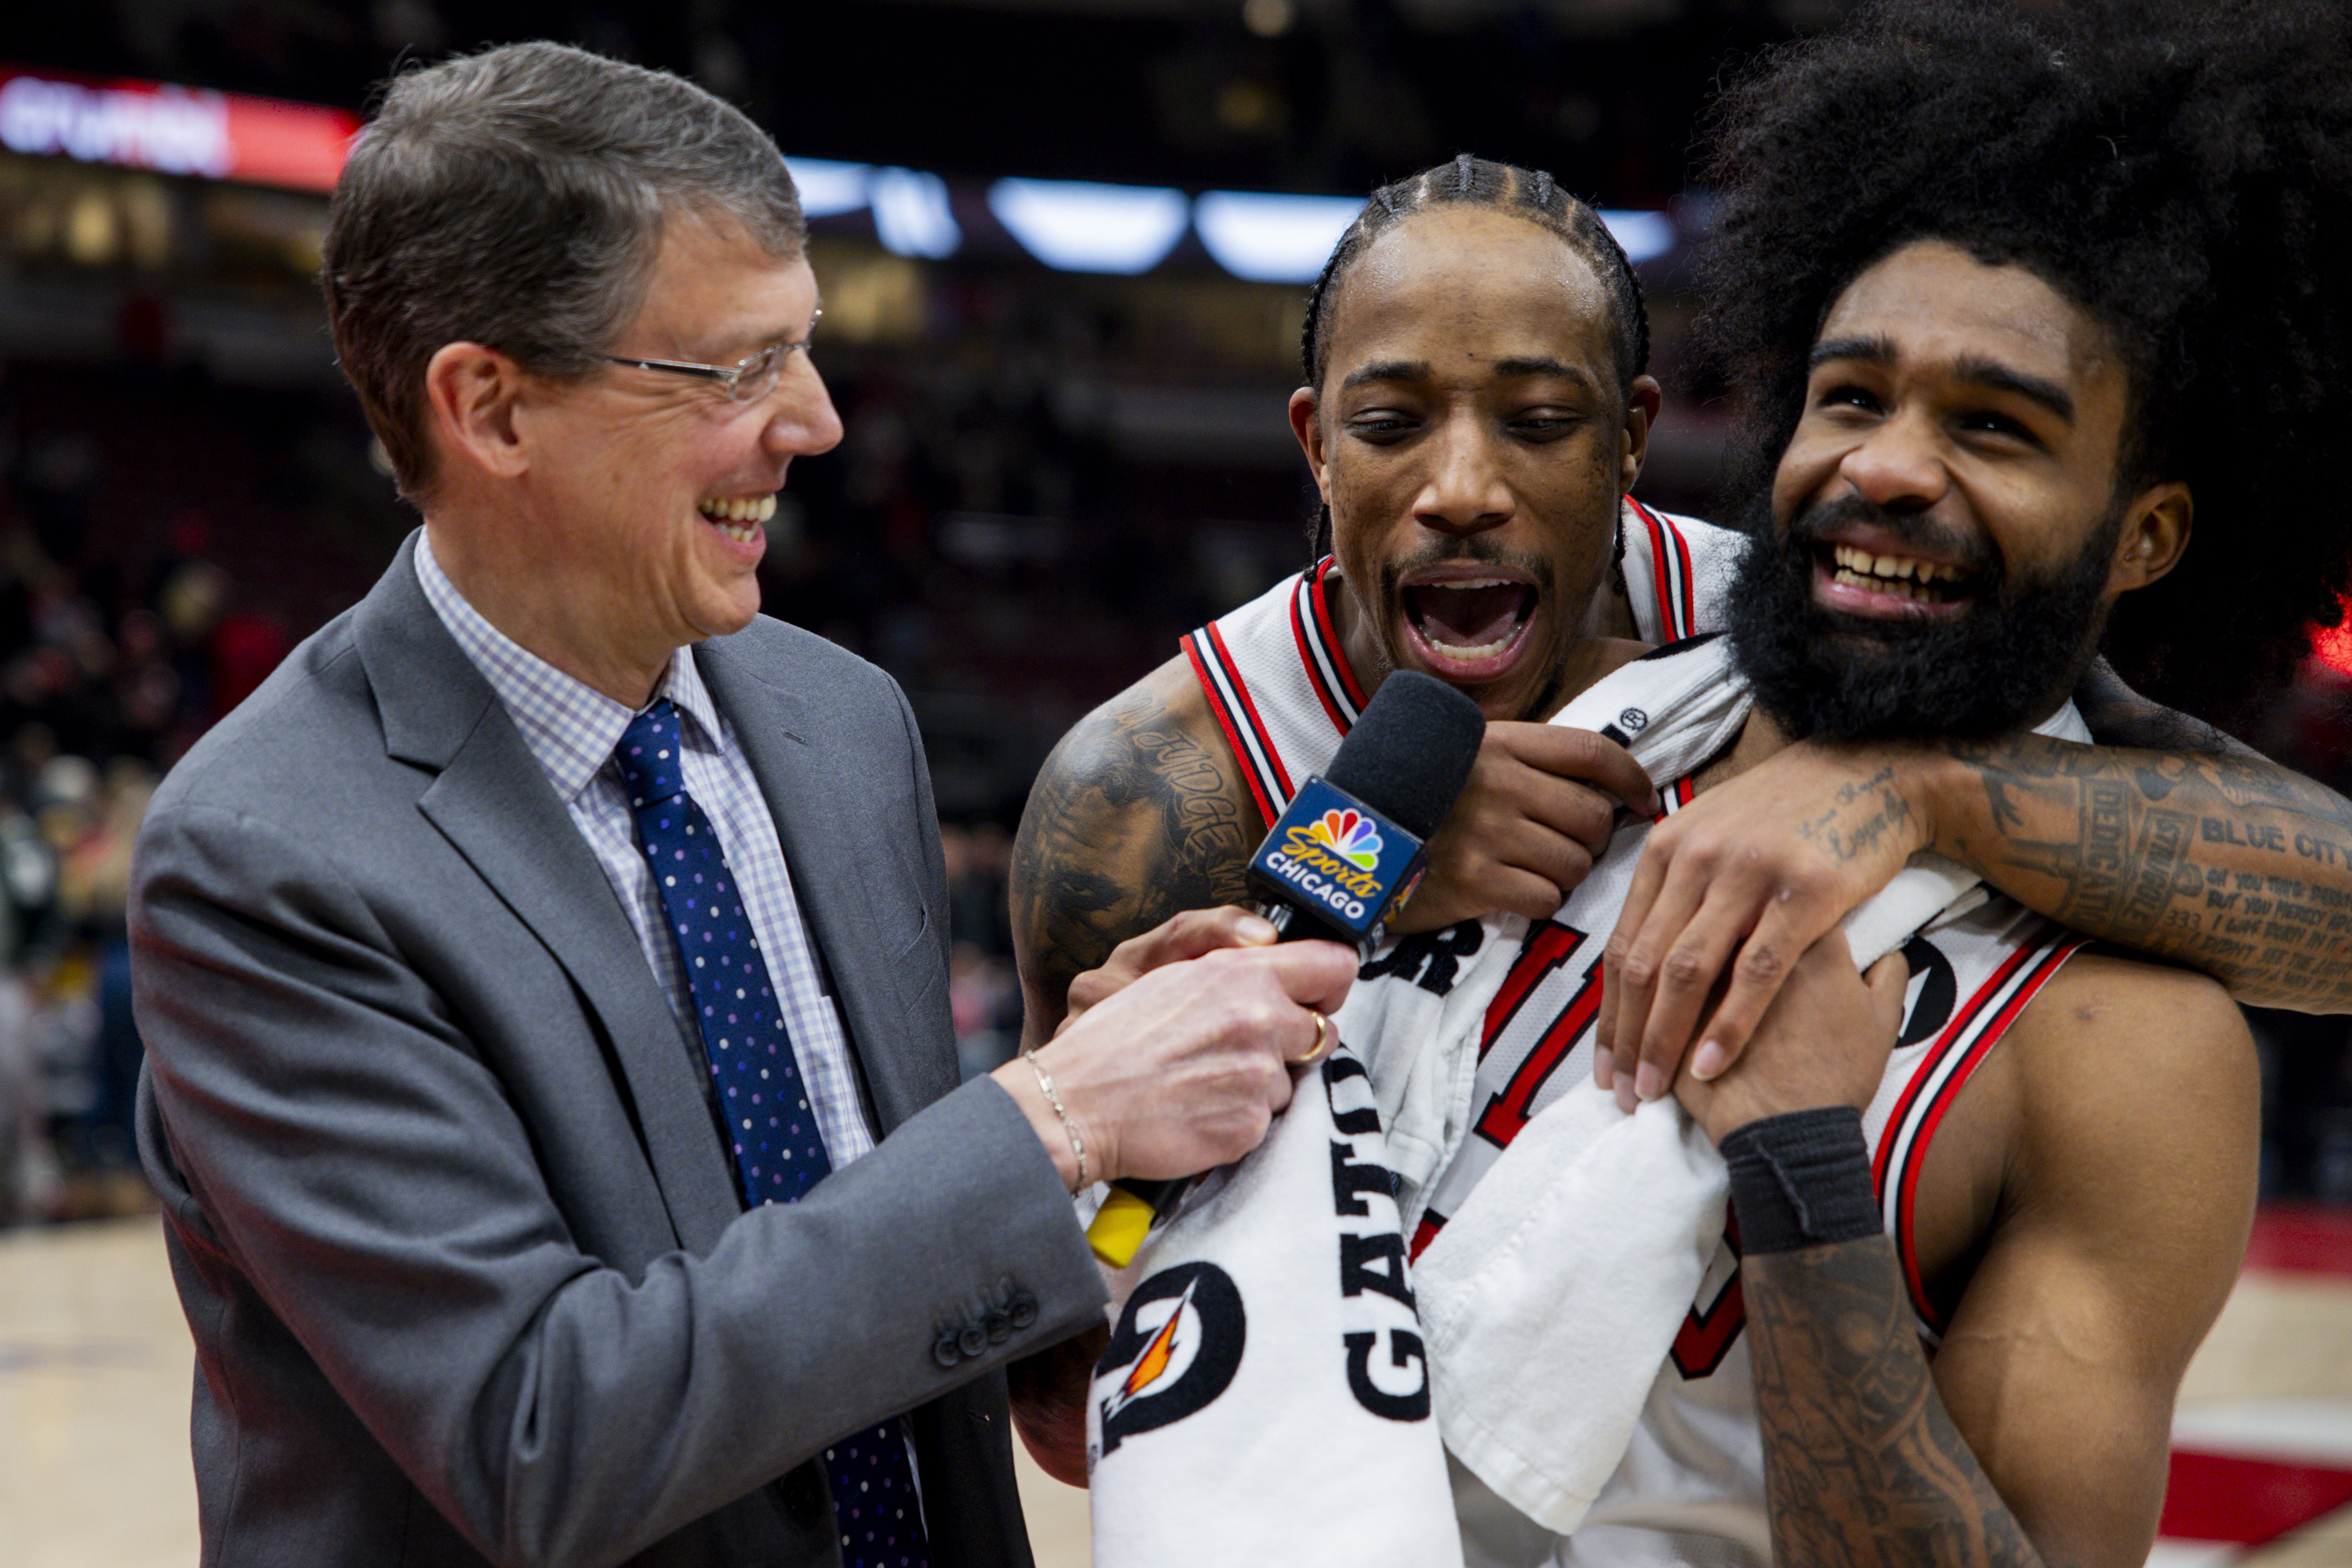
{"x":1322,"y":1039}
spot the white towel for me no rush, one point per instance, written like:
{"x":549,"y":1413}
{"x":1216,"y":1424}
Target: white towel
{"x":1553,"y":1294}
{"x":1539,"y":1367}
{"x":1265,"y":1397}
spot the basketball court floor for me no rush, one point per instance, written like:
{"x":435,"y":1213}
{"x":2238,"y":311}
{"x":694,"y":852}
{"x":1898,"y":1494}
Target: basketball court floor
{"x":94,"y":1372}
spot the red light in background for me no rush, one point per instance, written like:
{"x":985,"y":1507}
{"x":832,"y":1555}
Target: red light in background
{"x":2332,"y":645}
{"x":173,"y":130}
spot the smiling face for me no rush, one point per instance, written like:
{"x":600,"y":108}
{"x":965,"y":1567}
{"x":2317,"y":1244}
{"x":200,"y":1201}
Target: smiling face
{"x":1472,"y":442}
{"x":646,"y":492}
{"x":1945,"y":530}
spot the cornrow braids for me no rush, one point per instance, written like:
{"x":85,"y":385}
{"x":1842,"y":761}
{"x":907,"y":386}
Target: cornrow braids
{"x":1530,"y":194}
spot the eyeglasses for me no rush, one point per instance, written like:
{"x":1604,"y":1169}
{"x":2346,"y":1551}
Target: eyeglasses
{"x":748,"y":381}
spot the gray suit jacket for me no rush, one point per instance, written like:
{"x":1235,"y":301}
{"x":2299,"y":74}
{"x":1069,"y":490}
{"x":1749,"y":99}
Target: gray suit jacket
{"x":446,"y":1204}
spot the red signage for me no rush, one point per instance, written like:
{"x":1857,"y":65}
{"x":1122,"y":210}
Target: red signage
{"x":173,"y":130}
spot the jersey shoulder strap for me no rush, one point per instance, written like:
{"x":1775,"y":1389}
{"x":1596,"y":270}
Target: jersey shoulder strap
{"x":1677,"y":571}
{"x":1279,"y":685}
{"x":1971,"y":979}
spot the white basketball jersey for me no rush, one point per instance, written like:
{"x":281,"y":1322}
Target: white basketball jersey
{"x":1691,"y":1487}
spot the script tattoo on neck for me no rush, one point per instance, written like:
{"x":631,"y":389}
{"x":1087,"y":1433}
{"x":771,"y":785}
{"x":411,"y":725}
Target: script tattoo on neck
{"x":1132,"y":819}
{"x":2225,"y":862}
{"x":1862,"y":1463}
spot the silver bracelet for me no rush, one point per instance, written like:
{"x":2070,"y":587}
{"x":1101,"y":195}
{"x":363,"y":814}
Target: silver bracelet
{"x":1046,"y":1083}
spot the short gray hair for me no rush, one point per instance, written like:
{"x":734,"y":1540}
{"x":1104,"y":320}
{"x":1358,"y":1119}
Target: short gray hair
{"x":515,"y":198}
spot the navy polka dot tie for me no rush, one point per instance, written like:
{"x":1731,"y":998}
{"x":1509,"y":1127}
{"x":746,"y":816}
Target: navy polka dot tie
{"x":779,"y":1152}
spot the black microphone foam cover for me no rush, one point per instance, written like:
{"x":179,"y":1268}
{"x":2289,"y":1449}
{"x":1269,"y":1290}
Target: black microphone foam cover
{"x":1409,"y":752}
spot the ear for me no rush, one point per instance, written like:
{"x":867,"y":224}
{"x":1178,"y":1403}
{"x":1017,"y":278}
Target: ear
{"x":2154,"y":537}
{"x":1642,"y":400}
{"x":1308,"y":428}
{"x":470,"y":397}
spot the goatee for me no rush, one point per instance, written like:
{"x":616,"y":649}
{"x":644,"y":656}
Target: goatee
{"x":2003,"y":662}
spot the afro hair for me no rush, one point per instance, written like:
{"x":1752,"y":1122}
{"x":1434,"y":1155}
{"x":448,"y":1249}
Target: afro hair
{"x":2181,"y":170}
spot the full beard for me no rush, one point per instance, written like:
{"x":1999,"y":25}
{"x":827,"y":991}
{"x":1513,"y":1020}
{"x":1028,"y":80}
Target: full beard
{"x":2000,"y":664}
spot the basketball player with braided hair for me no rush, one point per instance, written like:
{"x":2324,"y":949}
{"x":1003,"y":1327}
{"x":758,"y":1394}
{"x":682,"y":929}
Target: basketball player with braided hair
{"x":1528,"y":194}
{"x":1153,"y":801}
{"x":1475,"y":524}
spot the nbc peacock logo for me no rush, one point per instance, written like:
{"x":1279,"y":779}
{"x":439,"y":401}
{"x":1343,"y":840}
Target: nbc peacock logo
{"x":1350,"y":836}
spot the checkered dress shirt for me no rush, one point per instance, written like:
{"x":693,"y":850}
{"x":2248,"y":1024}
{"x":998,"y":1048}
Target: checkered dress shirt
{"x":572,"y":729}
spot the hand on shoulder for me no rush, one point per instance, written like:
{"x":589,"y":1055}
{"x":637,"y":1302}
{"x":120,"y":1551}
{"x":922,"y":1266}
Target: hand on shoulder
{"x":1733,"y":888}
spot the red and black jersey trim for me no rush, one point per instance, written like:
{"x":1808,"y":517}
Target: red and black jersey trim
{"x":1317,"y":636}
{"x":1710,"y":1329}
{"x":1236,"y":715}
{"x":1670,"y":568}
{"x":1977,"y":1025}
{"x":1329,"y":676}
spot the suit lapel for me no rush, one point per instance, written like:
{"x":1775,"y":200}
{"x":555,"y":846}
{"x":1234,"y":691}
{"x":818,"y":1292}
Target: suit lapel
{"x":492,"y":802}
{"x":828,"y":850}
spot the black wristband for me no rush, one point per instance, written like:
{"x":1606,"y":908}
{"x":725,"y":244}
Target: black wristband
{"x":1801,"y":1180}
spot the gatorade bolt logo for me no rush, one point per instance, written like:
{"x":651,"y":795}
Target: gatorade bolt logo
{"x":1166,"y":1360}
{"x":1350,"y":836}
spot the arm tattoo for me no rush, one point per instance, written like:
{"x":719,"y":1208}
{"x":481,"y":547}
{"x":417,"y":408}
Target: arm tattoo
{"x":1131,"y":820}
{"x":2227,"y":863}
{"x":2193,"y":847}
{"x":1862,"y":1463}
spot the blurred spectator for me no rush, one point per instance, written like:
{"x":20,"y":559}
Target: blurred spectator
{"x":94,"y":880}
{"x":112,"y":661}
{"x":977,"y":907}
{"x":983,"y":991}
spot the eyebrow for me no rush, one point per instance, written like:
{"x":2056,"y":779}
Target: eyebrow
{"x":1419,"y":369}
{"x":1388,"y":370}
{"x":1999,"y":376}
{"x":1974,"y":369}
{"x":1544,"y":366}
{"x":751,"y":343}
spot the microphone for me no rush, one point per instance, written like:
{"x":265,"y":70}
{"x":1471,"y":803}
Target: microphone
{"x":1340,"y":863}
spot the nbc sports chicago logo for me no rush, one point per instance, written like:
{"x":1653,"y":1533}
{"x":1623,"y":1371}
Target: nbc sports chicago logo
{"x":1350,"y":836}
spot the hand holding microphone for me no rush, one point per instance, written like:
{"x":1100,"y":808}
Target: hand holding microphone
{"x":1182,"y":1067}
{"x":1339,"y":863}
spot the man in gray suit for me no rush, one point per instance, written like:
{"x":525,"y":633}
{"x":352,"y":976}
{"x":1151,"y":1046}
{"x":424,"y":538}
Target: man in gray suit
{"x":479,"y":1190}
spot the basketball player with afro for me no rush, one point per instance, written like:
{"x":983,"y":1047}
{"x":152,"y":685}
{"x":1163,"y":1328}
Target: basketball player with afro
{"x":1478,"y":528}
{"x":2031,"y":302}
{"x":2028,"y":316}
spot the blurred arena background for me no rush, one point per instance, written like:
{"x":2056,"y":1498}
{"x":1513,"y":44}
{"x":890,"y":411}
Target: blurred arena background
{"x":1064,"y":247}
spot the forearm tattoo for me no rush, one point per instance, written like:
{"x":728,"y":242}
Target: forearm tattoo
{"x":1862,"y":1463}
{"x":1131,"y":820}
{"x":2223,"y":861}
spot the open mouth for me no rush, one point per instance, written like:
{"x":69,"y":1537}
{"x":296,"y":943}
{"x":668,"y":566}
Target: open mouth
{"x":1865,"y":575}
{"x":737,"y":517}
{"x":1470,"y":622}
